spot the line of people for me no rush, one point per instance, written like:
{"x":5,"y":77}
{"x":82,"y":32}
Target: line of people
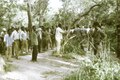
{"x":15,"y":41}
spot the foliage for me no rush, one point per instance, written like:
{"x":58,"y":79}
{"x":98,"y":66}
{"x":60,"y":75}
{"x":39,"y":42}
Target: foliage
{"x":40,"y":9}
{"x":74,"y":43}
{"x":97,"y":69}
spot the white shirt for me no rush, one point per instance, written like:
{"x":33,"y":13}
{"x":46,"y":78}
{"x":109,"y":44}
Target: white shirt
{"x":58,"y":34}
{"x":39,"y":33}
{"x":8,"y":40}
{"x":15,"y":35}
{"x":23,"y":35}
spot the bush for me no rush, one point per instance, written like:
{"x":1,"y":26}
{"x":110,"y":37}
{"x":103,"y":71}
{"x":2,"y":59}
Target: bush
{"x":73,"y":45}
{"x":97,"y":69}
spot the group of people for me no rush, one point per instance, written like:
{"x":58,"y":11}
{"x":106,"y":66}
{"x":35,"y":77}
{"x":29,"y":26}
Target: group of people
{"x":15,"y":41}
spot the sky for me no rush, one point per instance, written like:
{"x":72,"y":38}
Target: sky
{"x":54,"y":6}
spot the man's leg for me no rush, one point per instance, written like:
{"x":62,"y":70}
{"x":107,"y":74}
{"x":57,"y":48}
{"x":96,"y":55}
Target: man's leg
{"x":13,"y":54}
{"x":34,"y":53}
{"x":10,"y":52}
{"x":58,"y":46}
{"x":39,"y":46}
{"x":6,"y":53}
{"x":16,"y":48}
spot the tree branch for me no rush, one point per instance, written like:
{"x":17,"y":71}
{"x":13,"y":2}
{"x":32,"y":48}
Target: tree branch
{"x":84,"y":14}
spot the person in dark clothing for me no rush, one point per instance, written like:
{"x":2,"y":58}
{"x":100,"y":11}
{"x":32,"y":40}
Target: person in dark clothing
{"x":2,"y":48}
{"x":53,"y":36}
{"x":34,"y":43}
{"x":44,"y":39}
{"x":97,"y":36}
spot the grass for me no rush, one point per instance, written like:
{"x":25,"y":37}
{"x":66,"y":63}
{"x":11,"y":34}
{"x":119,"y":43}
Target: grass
{"x":98,"y":69}
{"x":48,"y":73}
{"x":62,"y":55}
{"x":9,"y":67}
{"x":104,"y":66}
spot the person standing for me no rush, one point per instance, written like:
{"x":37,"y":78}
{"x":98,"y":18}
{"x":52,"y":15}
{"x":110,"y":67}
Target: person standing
{"x":23,"y":39}
{"x":44,"y":39}
{"x":97,"y":36}
{"x":8,"y":44}
{"x":34,"y":43}
{"x":39,"y":35}
{"x":16,"y":36}
{"x":59,"y":37}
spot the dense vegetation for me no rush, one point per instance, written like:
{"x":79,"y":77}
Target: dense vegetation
{"x":84,"y":13}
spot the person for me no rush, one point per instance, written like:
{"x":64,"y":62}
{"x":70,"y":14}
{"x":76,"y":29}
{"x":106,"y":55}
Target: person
{"x":23,"y":39}
{"x":28,"y":39}
{"x":1,"y":46}
{"x":59,"y":37}
{"x":52,"y":36}
{"x":39,"y":36}
{"x":44,"y":39}
{"x":48,"y":38}
{"x":34,"y":43}
{"x":8,"y":43}
{"x":97,"y":36}
{"x":4,"y":31}
{"x":16,"y":36}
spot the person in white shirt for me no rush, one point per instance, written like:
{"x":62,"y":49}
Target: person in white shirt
{"x":23,"y":39}
{"x":16,"y":36}
{"x":8,"y":43}
{"x":59,"y":37}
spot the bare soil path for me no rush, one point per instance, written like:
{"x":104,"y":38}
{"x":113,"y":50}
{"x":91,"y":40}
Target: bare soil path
{"x":47,"y":67}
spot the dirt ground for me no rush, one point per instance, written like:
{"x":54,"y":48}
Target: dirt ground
{"x":47,"y":67}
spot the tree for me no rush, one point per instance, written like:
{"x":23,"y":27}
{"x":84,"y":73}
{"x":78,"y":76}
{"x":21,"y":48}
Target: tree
{"x":39,"y":9}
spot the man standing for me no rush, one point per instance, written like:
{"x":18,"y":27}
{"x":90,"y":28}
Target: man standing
{"x":98,"y":36}
{"x":16,"y":36}
{"x":23,"y":38}
{"x":2,"y":45}
{"x":8,"y":43}
{"x":34,"y":43}
{"x":59,"y":37}
{"x":39,"y":34}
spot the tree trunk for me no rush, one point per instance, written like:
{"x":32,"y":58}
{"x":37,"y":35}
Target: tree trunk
{"x":40,"y":20}
{"x":118,"y":29}
{"x":29,"y":17}
{"x":29,"y":21}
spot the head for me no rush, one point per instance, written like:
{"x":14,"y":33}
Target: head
{"x":96,"y":24}
{"x":59,"y":25}
{"x":9,"y":31}
{"x":16,"y":29}
{"x":22,"y":28}
{"x":77,"y":26}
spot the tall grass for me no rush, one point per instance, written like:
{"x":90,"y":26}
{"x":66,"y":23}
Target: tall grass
{"x":104,"y":67}
{"x":97,"y":70}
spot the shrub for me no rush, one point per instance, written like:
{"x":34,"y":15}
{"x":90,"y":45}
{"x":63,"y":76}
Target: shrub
{"x":98,"y":69}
